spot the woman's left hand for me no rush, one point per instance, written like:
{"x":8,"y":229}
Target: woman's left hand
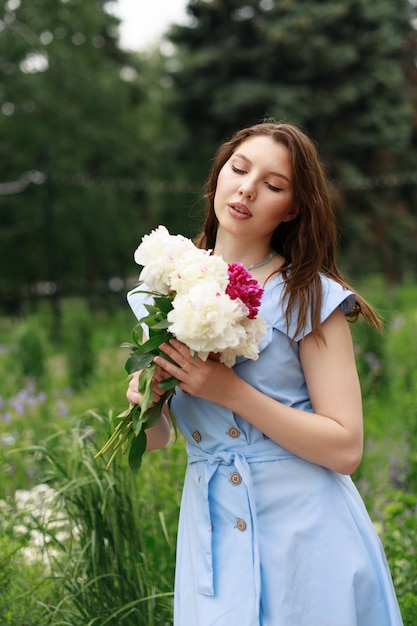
{"x":205,"y":379}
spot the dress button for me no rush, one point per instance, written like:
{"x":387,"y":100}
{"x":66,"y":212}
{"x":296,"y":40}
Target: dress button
{"x":234,"y":432}
{"x":196,"y":436}
{"x":236,"y":478}
{"x":241,"y":525}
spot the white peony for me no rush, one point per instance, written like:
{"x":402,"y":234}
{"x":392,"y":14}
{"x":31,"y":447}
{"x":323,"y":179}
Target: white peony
{"x":157,"y":253}
{"x":206,"y":319}
{"x":248,"y":347}
{"x":197,"y":265}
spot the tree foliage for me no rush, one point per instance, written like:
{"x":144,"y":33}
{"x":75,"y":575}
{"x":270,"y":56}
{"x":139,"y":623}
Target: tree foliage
{"x":321,"y":64}
{"x":337,"y":69}
{"x":100,"y":145}
{"x":68,"y":112}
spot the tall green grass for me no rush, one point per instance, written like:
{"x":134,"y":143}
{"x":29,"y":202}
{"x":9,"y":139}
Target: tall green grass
{"x":118,"y":566}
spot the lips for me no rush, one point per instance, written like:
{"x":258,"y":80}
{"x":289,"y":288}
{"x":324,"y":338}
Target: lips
{"x":240,"y":208}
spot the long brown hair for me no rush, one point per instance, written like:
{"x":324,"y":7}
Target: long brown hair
{"x":308,"y":243}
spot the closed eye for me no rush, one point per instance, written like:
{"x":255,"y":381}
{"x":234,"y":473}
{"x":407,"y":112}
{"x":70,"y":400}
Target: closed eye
{"x":273,"y":188}
{"x":238,"y":170}
{"x":241,"y":171}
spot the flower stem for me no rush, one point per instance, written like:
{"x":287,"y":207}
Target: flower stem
{"x":125,"y":438}
{"x":126,"y":422}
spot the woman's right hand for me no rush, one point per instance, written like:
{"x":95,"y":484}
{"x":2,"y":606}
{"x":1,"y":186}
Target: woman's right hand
{"x":134,"y":396}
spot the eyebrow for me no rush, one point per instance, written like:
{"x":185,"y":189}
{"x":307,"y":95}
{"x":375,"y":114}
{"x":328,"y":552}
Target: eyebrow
{"x":245,"y":158}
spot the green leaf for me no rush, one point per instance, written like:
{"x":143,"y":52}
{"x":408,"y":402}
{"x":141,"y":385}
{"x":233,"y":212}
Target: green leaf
{"x":137,"y":334}
{"x":152,"y":309}
{"x":169,"y":383}
{"x":154,"y":342}
{"x":135,"y":418}
{"x":137,"y":450}
{"x":162,"y":324}
{"x":138,"y":361}
{"x":164,"y":303}
{"x":154,"y":412}
{"x":121,"y":416}
{"x":150,"y":320}
{"x":145,"y":388}
{"x":127,"y":344}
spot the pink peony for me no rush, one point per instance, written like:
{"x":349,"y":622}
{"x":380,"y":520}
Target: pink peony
{"x":245,"y":288}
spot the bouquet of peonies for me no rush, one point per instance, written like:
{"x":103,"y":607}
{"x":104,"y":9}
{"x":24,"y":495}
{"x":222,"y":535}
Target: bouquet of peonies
{"x":209,"y":305}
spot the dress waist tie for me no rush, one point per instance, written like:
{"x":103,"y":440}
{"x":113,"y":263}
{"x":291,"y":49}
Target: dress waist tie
{"x":242,"y":464}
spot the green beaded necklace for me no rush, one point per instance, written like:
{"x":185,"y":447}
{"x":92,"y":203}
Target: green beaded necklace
{"x":253,"y":267}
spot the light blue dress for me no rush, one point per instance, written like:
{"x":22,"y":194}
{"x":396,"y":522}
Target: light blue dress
{"x":266,"y":538}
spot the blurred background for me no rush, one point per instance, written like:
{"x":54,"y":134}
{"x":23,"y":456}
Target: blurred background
{"x":110,"y":114}
{"x":100,"y":143}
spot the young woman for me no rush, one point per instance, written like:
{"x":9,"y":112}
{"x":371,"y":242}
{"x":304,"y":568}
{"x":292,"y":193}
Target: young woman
{"x":272,"y":531}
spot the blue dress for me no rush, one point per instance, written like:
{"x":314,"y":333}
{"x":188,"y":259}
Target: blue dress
{"x":266,"y":538}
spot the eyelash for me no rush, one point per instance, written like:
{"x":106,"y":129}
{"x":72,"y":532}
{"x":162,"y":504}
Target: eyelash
{"x":273,"y":188}
{"x":237,"y":170}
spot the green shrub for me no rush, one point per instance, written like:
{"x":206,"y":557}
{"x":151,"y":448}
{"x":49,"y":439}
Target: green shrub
{"x":408,"y":606}
{"x":399,"y":530}
{"x":79,"y":330}
{"x":401,"y":352}
{"x":30,"y":349}
{"x":369,"y":354}
{"x":23,"y":587}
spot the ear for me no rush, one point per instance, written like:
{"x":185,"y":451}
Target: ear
{"x":292,"y":214}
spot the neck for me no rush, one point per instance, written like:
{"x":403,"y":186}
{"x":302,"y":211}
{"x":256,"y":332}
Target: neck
{"x":248,"y":253}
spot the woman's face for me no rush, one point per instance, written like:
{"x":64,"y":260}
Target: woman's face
{"x":254,"y":192}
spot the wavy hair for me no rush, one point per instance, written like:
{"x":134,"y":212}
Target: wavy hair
{"x":308,"y":243}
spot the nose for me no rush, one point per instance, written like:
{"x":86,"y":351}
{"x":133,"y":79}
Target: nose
{"x":247,"y":189}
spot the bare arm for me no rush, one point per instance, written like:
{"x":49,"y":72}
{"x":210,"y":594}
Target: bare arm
{"x":330,"y":436}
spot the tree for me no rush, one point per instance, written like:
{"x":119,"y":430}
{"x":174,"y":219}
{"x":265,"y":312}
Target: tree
{"x":68,"y":109}
{"x":337,"y":69}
